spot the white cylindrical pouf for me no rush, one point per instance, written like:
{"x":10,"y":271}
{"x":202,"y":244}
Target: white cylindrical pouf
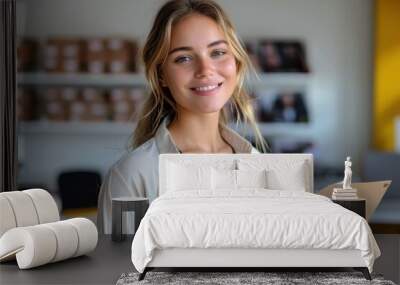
{"x":67,"y":239}
{"x":45,"y":205}
{"x":7,"y":218}
{"x":23,"y":208}
{"x":40,"y":244}
{"x":34,"y":245}
{"x":87,"y":233}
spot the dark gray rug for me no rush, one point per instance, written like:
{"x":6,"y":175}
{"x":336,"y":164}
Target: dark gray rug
{"x":230,"y":278}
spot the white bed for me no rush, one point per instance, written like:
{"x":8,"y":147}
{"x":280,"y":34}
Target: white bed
{"x":203,"y":220}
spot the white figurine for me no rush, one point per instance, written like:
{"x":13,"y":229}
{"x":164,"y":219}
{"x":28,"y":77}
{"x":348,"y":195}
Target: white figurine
{"x":347,"y":174}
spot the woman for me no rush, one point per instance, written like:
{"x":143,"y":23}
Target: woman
{"x":194,"y":65}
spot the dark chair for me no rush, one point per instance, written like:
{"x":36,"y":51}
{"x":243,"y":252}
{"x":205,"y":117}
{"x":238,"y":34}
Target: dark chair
{"x":79,"y":189}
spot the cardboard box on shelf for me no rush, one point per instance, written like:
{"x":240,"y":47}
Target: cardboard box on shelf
{"x":66,"y":47}
{"x":95,"y":58}
{"x":93,"y":95}
{"x":63,"y":54}
{"x":118,"y":66}
{"x":71,"y":50}
{"x":121,"y":54}
{"x":52,"y":64}
{"x":95,"y":45}
{"x":118,"y":94}
{"x":70,"y":65}
{"x":96,"y":66}
{"x":112,"y":55}
{"x":51,"y":94}
{"x":94,"y":55}
{"x":122,"y":110}
{"x":136,"y":94}
{"x":51,"y":50}
{"x":98,"y":111}
{"x":117,"y":43}
{"x":96,"y":62}
{"x":68,"y":94}
{"x":55,"y":111}
{"x":119,"y":61}
{"x":78,"y":111}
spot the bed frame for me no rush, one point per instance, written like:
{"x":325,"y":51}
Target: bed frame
{"x":236,"y":259}
{"x":249,"y":259}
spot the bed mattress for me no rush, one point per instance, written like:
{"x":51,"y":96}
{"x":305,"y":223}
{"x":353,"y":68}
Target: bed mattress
{"x":250,"y":219}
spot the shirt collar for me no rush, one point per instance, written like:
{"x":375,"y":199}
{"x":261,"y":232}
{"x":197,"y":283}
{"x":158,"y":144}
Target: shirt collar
{"x":165,"y":143}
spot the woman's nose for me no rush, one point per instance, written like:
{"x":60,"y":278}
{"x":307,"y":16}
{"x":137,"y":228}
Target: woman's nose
{"x":205,"y":68}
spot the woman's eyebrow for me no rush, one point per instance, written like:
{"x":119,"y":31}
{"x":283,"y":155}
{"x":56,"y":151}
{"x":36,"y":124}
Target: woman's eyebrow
{"x":217,"y":43}
{"x":189,"y":48}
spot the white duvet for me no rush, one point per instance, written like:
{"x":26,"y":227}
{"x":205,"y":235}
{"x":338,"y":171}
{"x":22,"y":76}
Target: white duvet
{"x":252,"y":218}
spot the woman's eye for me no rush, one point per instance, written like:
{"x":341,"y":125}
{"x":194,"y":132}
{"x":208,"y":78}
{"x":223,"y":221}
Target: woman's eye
{"x":217,"y":53}
{"x":182,"y":59}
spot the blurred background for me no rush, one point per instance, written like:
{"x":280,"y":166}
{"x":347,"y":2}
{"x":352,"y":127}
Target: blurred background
{"x":329,"y":84}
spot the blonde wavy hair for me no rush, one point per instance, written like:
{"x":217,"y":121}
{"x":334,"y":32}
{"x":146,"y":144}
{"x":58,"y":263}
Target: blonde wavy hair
{"x":160,"y":103}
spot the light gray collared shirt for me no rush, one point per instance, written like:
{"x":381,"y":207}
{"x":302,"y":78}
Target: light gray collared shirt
{"x":135,"y":174}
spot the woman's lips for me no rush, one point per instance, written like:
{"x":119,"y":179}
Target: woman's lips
{"x":206,"y":90}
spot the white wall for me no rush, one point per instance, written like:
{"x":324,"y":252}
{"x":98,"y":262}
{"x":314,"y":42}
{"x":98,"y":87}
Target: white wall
{"x":46,"y":151}
{"x":337,"y":33}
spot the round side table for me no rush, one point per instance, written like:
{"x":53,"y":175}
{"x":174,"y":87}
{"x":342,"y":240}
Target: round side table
{"x":120,"y":205}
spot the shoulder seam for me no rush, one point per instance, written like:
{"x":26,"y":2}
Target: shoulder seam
{"x":116,"y":171}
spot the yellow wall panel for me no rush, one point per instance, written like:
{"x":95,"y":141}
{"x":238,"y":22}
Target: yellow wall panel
{"x":387,"y":73}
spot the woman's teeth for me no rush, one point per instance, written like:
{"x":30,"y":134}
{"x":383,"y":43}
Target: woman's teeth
{"x":206,"y":88}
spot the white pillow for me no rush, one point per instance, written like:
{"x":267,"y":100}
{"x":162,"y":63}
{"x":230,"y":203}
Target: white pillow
{"x":227,"y":179}
{"x":224,"y":179}
{"x":281,"y":174}
{"x":292,"y":179}
{"x":181,"y":177}
{"x":251,"y":178}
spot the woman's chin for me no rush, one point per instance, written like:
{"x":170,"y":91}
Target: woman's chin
{"x":209,"y":108}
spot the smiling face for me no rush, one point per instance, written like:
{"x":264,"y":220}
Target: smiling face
{"x":200,"y":70}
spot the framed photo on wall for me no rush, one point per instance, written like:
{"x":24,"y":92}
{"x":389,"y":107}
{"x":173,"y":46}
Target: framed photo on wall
{"x":278,"y":55}
{"x":281,"y":105}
